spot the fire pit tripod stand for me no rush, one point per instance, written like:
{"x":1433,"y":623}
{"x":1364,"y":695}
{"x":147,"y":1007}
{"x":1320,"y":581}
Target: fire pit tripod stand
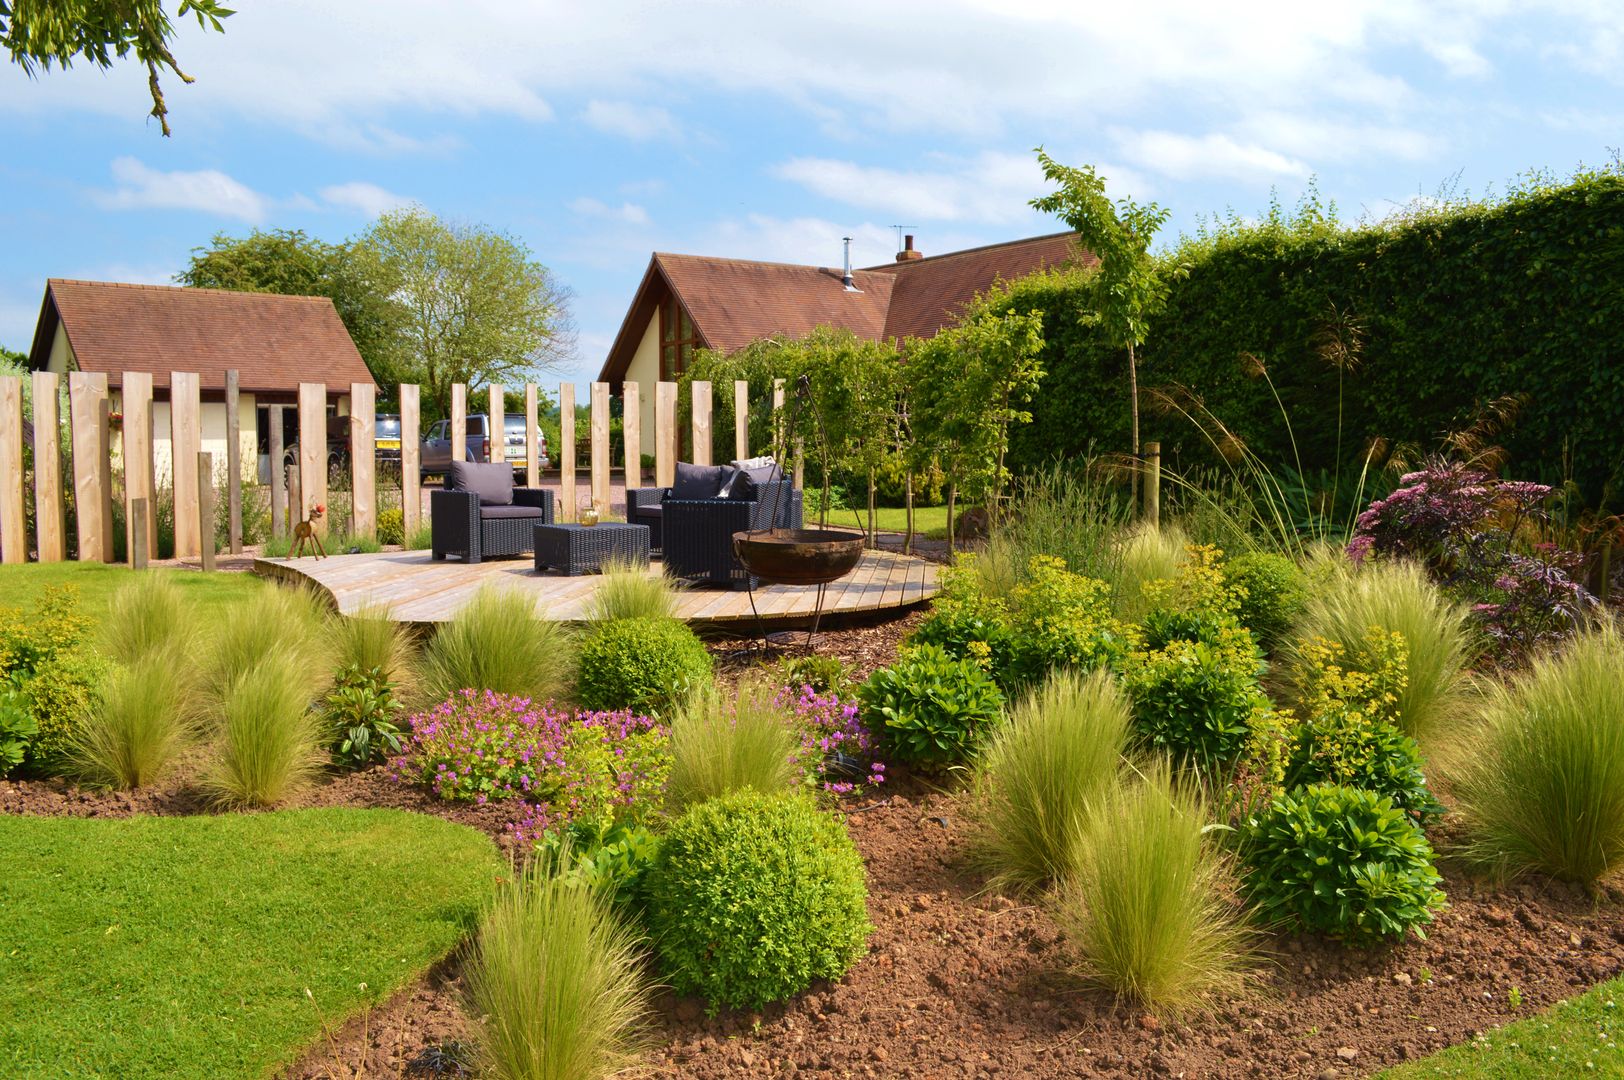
{"x":798,"y":556}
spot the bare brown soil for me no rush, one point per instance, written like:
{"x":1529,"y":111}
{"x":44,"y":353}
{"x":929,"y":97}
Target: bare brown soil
{"x":962,"y":983}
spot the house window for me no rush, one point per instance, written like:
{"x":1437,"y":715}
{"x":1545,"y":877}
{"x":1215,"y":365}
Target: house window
{"x":678,"y":338}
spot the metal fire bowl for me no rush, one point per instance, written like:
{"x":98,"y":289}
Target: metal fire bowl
{"x":799,"y":556}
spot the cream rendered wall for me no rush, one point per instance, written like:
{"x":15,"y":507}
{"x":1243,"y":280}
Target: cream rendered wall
{"x":213,"y":414}
{"x":62,"y":360}
{"x":644,"y":370}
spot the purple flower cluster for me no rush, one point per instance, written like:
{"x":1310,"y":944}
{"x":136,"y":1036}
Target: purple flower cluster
{"x":836,"y":751}
{"x":1468,"y":529}
{"x":483,"y":746}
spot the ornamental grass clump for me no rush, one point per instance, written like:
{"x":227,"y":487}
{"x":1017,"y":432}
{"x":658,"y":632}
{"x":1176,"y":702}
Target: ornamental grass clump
{"x":1144,"y":907}
{"x":722,"y":743}
{"x":626,"y":590}
{"x":497,"y":642}
{"x":558,"y":982}
{"x":270,"y":742}
{"x":276,"y":621}
{"x":139,"y":727}
{"x":1058,"y":752}
{"x":755,"y":896}
{"x":1396,"y":597}
{"x":1143,"y":554}
{"x":370,"y":641}
{"x":1540,"y":781}
{"x":147,"y":617}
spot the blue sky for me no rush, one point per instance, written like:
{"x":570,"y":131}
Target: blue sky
{"x":598,"y":133}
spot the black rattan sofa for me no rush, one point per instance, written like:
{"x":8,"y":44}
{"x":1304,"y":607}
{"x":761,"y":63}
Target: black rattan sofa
{"x":695,"y":535}
{"x":480,"y":514}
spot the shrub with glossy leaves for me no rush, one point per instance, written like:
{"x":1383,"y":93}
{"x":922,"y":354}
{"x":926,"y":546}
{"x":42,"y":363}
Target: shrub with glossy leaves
{"x":1195,"y":701}
{"x":930,"y":708}
{"x":1341,"y":861}
{"x":643,"y":664}
{"x":753,"y":897}
{"x":1541,"y":780}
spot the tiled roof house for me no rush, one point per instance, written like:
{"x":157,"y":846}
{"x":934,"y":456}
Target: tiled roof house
{"x":273,"y":342}
{"x":687,"y":302}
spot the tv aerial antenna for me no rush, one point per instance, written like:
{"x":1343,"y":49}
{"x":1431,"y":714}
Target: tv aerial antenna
{"x":900,"y":229}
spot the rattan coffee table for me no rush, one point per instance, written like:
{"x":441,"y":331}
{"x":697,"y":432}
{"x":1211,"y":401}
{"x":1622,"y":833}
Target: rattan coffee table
{"x":577,"y":549}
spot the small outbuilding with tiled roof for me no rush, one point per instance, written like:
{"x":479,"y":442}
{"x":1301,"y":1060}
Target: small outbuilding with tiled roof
{"x":688,"y":302}
{"x":273,"y":343}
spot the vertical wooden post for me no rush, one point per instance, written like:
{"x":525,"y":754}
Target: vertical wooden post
{"x":1153,"y":484}
{"x":185,"y":442}
{"x":205,"y":507}
{"x":234,"y":461}
{"x":295,"y":496}
{"x":140,"y":522}
{"x":741,"y":419}
{"x":312,"y":452}
{"x":702,"y":402}
{"x":276,"y":416}
{"x":104,"y":454}
{"x":90,"y":482}
{"x":496,"y":425}
{"x":136,"y":391}
{"x":363,"y":459}
{"x":459,"y":421}
{"x":600,"y":446}
{"x":411,"y":459}
{"x":631,"y":433}
{"x":49,"y":522}
{"x":532,"y":436}
{"x":566,"y":452}
{"x":665,"y":434}
{"x":13,"y":529}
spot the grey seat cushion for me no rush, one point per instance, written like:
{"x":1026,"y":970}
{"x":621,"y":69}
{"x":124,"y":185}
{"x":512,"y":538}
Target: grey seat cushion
{"x":510,"y":512}
{"x":650,"y":511}
{"x":699,"y":481}
{"x":493,"y":483}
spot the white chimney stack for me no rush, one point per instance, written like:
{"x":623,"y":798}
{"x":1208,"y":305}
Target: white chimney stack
{"x":846,"y":278}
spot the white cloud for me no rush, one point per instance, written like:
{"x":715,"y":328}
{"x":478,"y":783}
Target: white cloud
{"x":637,"y":122}
{"x":993,"y":187}
{"x":1212,"y":156}
{"x":206,"y":191}
{"x":368,"y":199}
{"x":809,"y":241}
{"x":626,"y":213}
{"x":1321,"y":138}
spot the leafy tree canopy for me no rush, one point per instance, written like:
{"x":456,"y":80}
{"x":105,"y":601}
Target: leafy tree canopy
{"x":40,"y":33}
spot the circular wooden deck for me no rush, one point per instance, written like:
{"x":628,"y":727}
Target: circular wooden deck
{"x":416,"y":589}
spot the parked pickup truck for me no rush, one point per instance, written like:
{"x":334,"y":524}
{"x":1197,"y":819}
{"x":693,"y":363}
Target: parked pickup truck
{"x":436,"y":456}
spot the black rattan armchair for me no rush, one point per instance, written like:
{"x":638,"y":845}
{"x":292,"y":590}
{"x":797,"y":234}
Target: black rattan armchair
{"x":697,"y":534}
{"x":461,"y":526}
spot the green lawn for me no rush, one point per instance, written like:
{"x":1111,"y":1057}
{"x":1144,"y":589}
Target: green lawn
{"x":929,"y":521}
{"x":210,"y":594}
{"x":184,"y":947}
{"x":1576,"y":1038}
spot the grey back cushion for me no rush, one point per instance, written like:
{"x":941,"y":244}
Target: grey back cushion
{"x":750,"y":476}
{"x":493,"y":483}
{"x":699,"y":481}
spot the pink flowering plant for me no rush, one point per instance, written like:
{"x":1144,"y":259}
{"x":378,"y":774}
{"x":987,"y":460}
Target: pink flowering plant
{"x":481,"y":746}
{"x":836,"y":752}
{"x":1469,"y":529}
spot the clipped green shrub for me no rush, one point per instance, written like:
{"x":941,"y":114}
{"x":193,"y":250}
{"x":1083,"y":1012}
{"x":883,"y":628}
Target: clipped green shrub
{"x":1397,"y":597}
{"x":392,"y":527}
{"x":1059,"y":750}
{"x":1271,"y":593}
{"x":137,"y":731}
{"x":629,"y":591}
{"x":754,"y":896}
{"x":1540,"y":780}
{"x":1145,"y":908}
{"x":63,"y":693}
{"x":642,"y":664}
{"x":558,"y":981}
{"x":1343,"y":862}
{"x":721,"y":743}
{"x":1195,"y":701}
{"x":498,"y":642}
{"x":930,"y":708}
{"x":270,"y":741}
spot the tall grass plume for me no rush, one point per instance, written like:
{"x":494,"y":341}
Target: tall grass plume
{"x":140,"y":726}
{"x":270,"y":742}
{"x":626,"y":590}
{"x":725,"y":743}
{"x":498,"y":642}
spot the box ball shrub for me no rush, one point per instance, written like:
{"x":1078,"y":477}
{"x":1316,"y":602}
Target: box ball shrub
{"x":1343,"y":862}
{"x":753,"y":897}
{"x":930,"y":708}
{"x":642,"y":664}
{"x":1273,"y":593}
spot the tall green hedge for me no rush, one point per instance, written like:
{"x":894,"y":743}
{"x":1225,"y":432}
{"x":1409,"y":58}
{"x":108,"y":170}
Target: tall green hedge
{"x":1523,"y":294}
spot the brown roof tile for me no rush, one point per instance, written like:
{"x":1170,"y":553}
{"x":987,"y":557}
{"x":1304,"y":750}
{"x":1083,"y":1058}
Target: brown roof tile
{"x":274,"y":342}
